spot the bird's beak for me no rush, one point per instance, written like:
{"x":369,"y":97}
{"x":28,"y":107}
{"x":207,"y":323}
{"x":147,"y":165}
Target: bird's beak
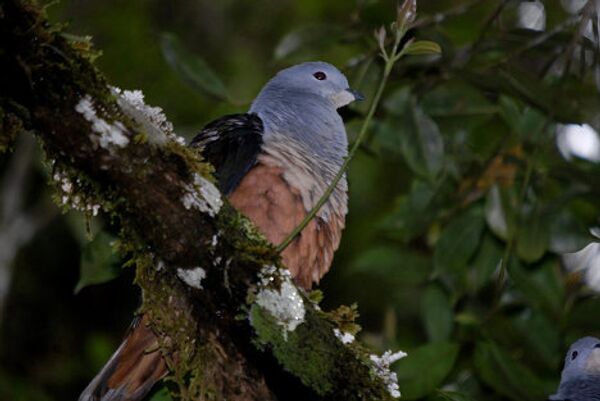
{"x":357,"y":95}
{"x":593,"y":362}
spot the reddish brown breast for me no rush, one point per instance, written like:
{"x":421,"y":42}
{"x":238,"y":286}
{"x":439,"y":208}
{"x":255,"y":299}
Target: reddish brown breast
{"x":276,"y":208}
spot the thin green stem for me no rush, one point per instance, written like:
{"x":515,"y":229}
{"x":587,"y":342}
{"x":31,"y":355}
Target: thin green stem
{"x":389,"y":64}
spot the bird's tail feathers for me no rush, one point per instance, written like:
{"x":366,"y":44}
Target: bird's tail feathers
{"x":132,"y":370}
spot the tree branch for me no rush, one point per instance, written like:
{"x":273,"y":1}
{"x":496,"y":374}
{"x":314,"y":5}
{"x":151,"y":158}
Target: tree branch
{"x":219,"y":336}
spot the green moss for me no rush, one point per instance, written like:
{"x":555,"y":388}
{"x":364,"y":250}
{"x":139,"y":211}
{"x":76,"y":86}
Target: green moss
{"x":311,"y":361}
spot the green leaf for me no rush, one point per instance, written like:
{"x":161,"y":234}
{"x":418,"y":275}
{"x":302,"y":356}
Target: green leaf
{"x":425,"y":368}
{"x":451,"y":396}
{"x":541,"y":336}
{"x":191,"y":68}
{"x":437,"y":314}
{"x":396,"y":266}
{"x":161,"y":395}
{"x":501,"y":371}
{"x":422,"y":143}
{"x":542,"y":286}
{"x":412,"y":213}
{"x":567,"y":235}
{"x":533,"y":236}
{"x":421,"y":47}
{"x":486,"y":261}
{"x":309,"y":40}
{"x":457,"y":244}
{"x":500,"y":211}
{"x":99,"y":262}
{"x":398,"y":102}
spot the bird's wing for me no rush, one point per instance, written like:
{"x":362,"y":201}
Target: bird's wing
{"x":231,"y":144}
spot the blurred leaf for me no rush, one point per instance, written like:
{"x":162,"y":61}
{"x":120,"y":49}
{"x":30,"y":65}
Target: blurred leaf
{"x":567,"y":235}
{"x":394,"y":265}
{"x":500,"y":211}
{"x":191,"y":68}
{"x":451,"y":396}
{"x":425,"y":368}
{"x":422,"y":47}
{"x":161,"y":395}
{"x":503,"y":373}
{"x":541,"y":336}
{"x":542,"y":287}
{"x":458,"y":242}
{"x":486,"y":261}
{"x":311,"y":38}
{"x":411,"y":215}
{"x":99,"y":262}
{"x":422,"y":143}
{"x":533,"y":235}
{"x":437,"y":314}
{"x":456,"y":99}
{"x":510,"y":111}
{"x":398,"y":102}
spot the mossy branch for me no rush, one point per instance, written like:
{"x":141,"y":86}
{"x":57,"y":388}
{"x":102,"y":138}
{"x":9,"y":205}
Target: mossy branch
{"x":160,"y":193}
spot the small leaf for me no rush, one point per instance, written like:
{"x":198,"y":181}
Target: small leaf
{"x":425,"y":368}
{"x":542,"y":286}
{"x":437,"y":314}
{"x":307,"y":39}
{"x":503,"y":373}
{"x":396,"y":266}
{"x":567,"y":235}
{"x":191,"y":68}
{"x":398,"y":102}
{"x":412,"y":213}
{"x":451,"y":396}
{"x":457,"y":244}
{"x":161,"y":395}
{"x":99,"y":262}
{"x":486,"y":261}
{"x":422,"y":47}
{"x":533,"y":236}
{"x":422,"y":143}
{"x":500,"y":212}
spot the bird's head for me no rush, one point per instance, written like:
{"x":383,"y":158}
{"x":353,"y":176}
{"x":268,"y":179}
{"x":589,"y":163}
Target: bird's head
{"x":583,"y":357}
{"x":316,"y":78}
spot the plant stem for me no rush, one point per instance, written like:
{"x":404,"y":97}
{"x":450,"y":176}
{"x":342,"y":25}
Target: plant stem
{"x":389,"y":64}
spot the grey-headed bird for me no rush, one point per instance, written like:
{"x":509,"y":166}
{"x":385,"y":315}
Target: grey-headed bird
{"x":273,"y":163}
{"x":580,"y":378}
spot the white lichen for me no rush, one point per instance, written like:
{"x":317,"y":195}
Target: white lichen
{"x":106,"y":135}
{"x":381,"y":367}
{"x":285,"y":304}
{"x":345,"y":338}
{"x":202,"y":195}
{"x":151,"y":119}
{"x":192,"y":277}
{"x":69,"y":198}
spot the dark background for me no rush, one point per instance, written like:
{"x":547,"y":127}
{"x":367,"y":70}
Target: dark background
{"x":475,"y":179}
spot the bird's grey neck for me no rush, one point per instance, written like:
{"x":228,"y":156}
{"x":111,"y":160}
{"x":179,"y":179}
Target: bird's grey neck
{"x":306,"y":138}
{"x":306,"y":119}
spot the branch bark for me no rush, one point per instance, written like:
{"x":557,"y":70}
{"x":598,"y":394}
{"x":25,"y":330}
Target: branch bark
{"x":246,"y":327}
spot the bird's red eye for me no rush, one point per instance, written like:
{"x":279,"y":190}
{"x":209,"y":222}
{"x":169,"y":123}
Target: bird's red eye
{"x":320,"y":75}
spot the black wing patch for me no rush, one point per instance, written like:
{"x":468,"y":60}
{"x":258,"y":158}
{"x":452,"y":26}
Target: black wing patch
{"x":231,"y":144}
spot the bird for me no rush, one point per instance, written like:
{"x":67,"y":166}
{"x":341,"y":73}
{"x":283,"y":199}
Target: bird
{"x":273,"y":163}
{"x":580,"y":378}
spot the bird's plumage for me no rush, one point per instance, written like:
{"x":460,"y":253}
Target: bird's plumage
{"x":274,"y":163}
{"x":231,"y":144}
{"x":580,"y":378}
